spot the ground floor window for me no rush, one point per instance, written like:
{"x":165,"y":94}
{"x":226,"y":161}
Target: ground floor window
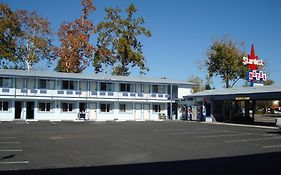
{"x":4,"y":105}
{"x":67,"y":106}
{"x":106,"y":107}
{"x":156,"y":108}
{"x":45,"y":106}
{"x":125,"y":107}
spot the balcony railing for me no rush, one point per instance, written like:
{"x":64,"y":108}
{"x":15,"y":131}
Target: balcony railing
{"x":81,"y":94}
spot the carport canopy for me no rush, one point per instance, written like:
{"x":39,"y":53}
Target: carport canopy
{"x":272,"y":92}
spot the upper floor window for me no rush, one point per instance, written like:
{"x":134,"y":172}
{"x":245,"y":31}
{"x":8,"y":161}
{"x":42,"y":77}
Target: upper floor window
{"x":158,"y":89}
{"x":43,"y":84}
{"x":46,"y":84}
{"x":6,"y":82}
{"x":106,"y":86}
{"x":68,"y":84}
{"x":4,"y":105}
{"x":125,"y":87}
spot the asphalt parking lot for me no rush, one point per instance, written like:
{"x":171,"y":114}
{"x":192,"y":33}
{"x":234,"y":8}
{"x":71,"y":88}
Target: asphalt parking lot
{"x":137,"y":148}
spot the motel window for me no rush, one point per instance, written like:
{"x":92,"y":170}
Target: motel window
{"x":154,"y":88}
{"x":156,"y":108}
{"x":125,"y":87}
{"x":158,"y":89}
{"x":106,"y":86}
{"x":43,"y":84}
{"x":4,"y":105}
{"x":67,"y":106}
{"x":161,"y":89}
{"x":106,"y":107}
{"x":45,"y":106}
{"x":46,"y":84}
{"x":125,"y":107}
{"x":6,"y":82}
{"x":68,"y":84}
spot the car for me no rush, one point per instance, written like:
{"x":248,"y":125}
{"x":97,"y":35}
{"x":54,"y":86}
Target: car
{"x":277,"y":112}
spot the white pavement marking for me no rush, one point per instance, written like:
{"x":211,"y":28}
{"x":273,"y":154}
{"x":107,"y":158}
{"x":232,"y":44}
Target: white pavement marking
{"x":15,"y":162}
{"x":181,"y":133}
{"x":7,"y":137}
{"x":11,"y":150}
{"x":225,"y":135}
{"x":242,"y":125}
{"x":53,"y":122}
{"x":248,"y":140}
{"x":178,"y":130}
{"x":9,"y":142}
{"x":272,"y":146}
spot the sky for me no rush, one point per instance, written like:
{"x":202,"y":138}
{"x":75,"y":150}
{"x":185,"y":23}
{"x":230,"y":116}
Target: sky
{"x":183,"y":30}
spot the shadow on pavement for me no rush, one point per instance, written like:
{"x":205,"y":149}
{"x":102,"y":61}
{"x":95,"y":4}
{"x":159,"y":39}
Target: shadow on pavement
{"x":274,"y":132}
{"x":268,"y":163}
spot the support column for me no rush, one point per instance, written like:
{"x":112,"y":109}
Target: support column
{"x":78,"y":85}
{"x":253,"y":110}
{"x":212,"y":108}
{"x":223,"y":110}
{"x":247,"y":108}
{"x":171,"y":102}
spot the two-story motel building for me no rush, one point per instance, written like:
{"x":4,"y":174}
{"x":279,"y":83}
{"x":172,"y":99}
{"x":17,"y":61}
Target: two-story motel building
{"x":41,"y":95}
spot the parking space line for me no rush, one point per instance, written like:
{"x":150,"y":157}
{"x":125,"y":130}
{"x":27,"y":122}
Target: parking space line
{"x":9,"y":142}
{"x":179,"y":130}
{"x":272,"y":146}
{"x":15,"y":162}
{"x":248,"y":140}
{"x":11,"y":150}
{"x":7,"y":137}
{"x":181,"y":133}
{"x":225,"y":135}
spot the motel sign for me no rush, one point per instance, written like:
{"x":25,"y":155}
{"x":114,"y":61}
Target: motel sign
{"x":252,"y":62}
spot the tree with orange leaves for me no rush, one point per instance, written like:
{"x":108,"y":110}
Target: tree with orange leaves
{"x":35,"y":43}
{"x":25,"y":38}
{"x":76,"y":50}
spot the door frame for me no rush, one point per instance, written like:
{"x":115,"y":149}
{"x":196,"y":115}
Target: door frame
{"x":141,"y":111}
{"x":19,"y":110}
{"x":148,"y":112}
{"x":30,"y":110}
{"x":96,"y":113}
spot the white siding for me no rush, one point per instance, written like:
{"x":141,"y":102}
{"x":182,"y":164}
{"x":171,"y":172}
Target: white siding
{"x":183,"y":91}
{"x":143,"y":98}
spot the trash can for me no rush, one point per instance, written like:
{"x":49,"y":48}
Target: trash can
{"x":82,"y":115}
{"x":208,"y":119}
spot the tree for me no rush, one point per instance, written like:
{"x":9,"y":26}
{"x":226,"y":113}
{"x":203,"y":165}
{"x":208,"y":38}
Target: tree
{"x":25,"y":38}
{"x":268,"y":82}
{"x":9,"y":29}
{"x":199,"y":86}
{"x":118,"y":45}
{"x":225,"y":59}
{"x":76,"y":50}
{"x":35,"y":43}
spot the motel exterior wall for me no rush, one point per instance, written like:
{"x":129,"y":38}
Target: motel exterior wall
{"x":145,"y":98}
